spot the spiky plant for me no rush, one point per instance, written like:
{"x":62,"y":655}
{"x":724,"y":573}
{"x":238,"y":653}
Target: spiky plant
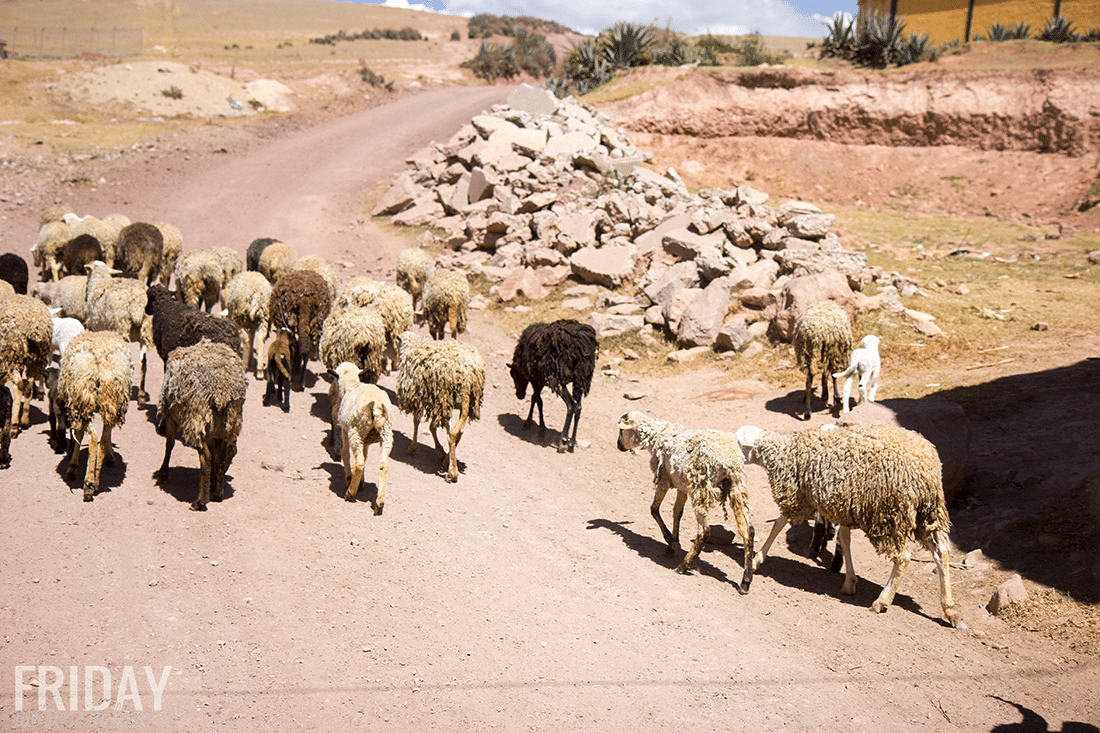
{"x":1058,"y":30}
{"x":999,"y":32}
{"x":839,"y":39}
{"x":626,"y":45}
{"x":877,"y":40}
{"x":1092,"y":35}
{"x":1021,"y":32}
{"x":911,"y":50}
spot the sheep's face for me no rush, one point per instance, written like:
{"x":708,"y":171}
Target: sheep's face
{"x":746,"y":438}
{"x":520,"y":381}
{"x":870,"y":343}
{"x":628,"y":436}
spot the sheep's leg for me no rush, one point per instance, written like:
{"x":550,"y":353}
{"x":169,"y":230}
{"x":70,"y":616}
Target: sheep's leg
{"x":872,"y":385}
{"x":886,"y":597}
{"x":826,"y":377}
{"x":199,"y":505}
{"x":412,"y":438}
{"x":660,"y":488}
{"x":848,"y":392}
{"x":383,"y":468}
{"x":21,"y":403}
{"x":777,"y":527}
{"x":455,"y":436}
{"x":353,"y":455}
{"x":572,"y":415}
{"x":249,"y":339}
{"x":439,"y":452}
{"x":696,"y":546}
{"x":844,"y":537}
{"x":142,"y":395}
{"x":106,"y":447}
{"x":221,"y":455}
{"x":5,"y":445}
{"x":809,"y":394}
{"x":742,"y":514}
{"x":74,"y":457}
{"x":95,"y":458}
{"x":941,"y":554}
{"x":169,"y":428}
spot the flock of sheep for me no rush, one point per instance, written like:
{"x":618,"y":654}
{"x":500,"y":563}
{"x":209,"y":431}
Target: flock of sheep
{"x":106,"y":284}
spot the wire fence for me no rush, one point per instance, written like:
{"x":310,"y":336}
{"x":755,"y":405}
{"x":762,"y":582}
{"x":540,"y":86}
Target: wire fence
{"x":58,"y":42}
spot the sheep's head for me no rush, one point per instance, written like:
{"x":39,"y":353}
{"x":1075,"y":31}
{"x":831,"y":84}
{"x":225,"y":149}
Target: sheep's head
{"x":870,"y":343}
{"x":628,"y":435}
{"x":747,"y":437}
{"x":520,"y":380}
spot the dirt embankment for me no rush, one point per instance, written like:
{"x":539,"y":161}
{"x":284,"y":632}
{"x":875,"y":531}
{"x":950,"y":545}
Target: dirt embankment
{"x":1039,"y":110}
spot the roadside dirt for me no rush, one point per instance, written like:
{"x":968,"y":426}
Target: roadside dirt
{"x":533,"y":594}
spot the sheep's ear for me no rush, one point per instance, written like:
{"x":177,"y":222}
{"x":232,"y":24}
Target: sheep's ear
{"x":332,"y":373}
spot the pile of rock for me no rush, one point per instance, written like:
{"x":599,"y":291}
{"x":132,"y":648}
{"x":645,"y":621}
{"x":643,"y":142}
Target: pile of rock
{"x":539,"y":190}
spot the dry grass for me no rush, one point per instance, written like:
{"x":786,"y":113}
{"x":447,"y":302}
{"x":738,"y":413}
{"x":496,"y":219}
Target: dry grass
{"x":1058,"y":617}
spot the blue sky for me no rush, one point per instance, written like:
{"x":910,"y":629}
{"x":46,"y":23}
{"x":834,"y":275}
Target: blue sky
{"x":694,"y":17}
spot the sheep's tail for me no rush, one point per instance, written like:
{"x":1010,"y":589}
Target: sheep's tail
{"x":284,"y":367}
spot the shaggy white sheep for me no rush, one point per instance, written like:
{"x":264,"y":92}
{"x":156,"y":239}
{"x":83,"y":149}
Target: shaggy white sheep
{"x":446,"y":298}
{"x":364,"y":417}
{"x":822,"y":342}
{"x":118,"y":304}
{"x":883,"y":480}
{"x":866,"y":363}
{"x":414,"y":267}
{"x":705,"y":465}
{"x":248,"y":300}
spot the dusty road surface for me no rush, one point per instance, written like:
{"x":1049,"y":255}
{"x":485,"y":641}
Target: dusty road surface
{"x":533,"y":594}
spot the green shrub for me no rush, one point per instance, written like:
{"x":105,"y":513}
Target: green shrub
{"x":486,"y":25}
{"x":173,"y":91}
{"x":456,"y":36}
{"x":750,"y":51}
{"x":493,"y":61}
{"x":1058,"y":30}
{"x":715,"y":44}
{"x":839,"y":40}
{"x":999,"y":32}
{"x":626,"y":45}
{"x":1021,"y":32}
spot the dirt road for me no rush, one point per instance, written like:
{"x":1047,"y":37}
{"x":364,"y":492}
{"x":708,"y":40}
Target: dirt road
{"x":531,"y":595}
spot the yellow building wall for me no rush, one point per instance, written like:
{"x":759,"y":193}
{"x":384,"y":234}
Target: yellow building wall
{"x":945,"y":20}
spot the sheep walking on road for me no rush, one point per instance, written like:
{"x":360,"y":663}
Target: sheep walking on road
{"x":822,"y":344}
{"x":299,"y":304}
{"x":248,"y":300}
{"x":95,"y":378}
{"x":364,"y":417}
{"x":446,"y":298}
{"x":414,"y":267}
{"x":556,"y":355}
{"x":203,"y":400}
{"x":866,"y":363}
{"x":26,"y":334}
{"x":277,"y":371}
{"x":705,"y":465}
{"x":435,"y":378}
{"x":118,"y":304}
{"x":883,"y":480}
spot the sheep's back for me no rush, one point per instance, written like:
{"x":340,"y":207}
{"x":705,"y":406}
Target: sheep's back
{"x":354,"y":335}
{"x":248,"y":299}
{"x":96,"y":376}
{"x":300,"y":303}
{"x":823,"y":338}
{"x":435,"y":377}
{"x":203,"y":392}
{"x":26,"y":329}
{"x":707,"y":459}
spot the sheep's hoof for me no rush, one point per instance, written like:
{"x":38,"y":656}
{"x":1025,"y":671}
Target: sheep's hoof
{"x":879,"y":606}
{"x":952,"y":617}
{"x":565,"y":448}
{"x":451,"y":479}
{"x":411,"y":449}
{"x":216,"y":497}
{"x":349,"y":495}
{"x":198,"y":506}
{"x":6,"y":463}
{"x":89,"y":494}
{"x":684,"y":568}
{"x":672,"y":550}
{"x":160,"y":476}
{"x":849,"y":588}
{"x":378,"y":510}
{"x":109,"y":460}
{"x":805,"y":416}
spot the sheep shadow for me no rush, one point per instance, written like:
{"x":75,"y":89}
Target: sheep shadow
{"x":110,"y":477}
{"x":515,"y":426}
{"x":793,"y":403}
{"x":653,"y":549}
{"x":368,"y":490}
{"x":424,"y":460}
{"x":183,"y":485}
{"x":1032,"y":722}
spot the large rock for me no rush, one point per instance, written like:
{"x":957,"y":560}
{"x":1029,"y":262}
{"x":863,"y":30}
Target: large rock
{"x":606,"y":324}
{"x":703,"y":317}
{"x":652,"y":239}
{"x":421,"y":214}
{"x":681,"y":275}
{"x":535,"y":102}
{"x":486,"y":125}
{"x":608,"y":266}
{"x":798,"y":293}
{"x":523,"y":281}
{"x":570,"y":144}
{"x":687,"y":245}
{"x":938,"y":419}
{"x":401,"y":196}
{"x":800,"y":262}
{"x":810,"y":226}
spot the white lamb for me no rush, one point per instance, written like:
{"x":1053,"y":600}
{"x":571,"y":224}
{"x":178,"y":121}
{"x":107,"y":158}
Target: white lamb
{"x":865,"y":362}
{"x":64,"y":330}
{"x":364,"y":417}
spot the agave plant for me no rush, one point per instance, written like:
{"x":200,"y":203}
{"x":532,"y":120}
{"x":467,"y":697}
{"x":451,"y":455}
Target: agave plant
{"x":838,"y":38}
{"x":1058,"y":30}
{"x":910,"y":51}
{"x":877,"y":40}
{"x":625,"y":45}
{"x":999,"y":32}
{"x":1021,"y":32}
{"x":1092,"y":35}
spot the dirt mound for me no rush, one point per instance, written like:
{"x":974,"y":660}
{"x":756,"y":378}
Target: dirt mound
{"x":1039,"y":110}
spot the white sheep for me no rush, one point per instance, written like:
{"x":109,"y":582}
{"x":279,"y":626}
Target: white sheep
{"x":202,"y":398}
{"x":118,"y":304}
{"x":446,"y":298}
{"x":64,"y":331}
{"x":173,"y":249}
{"x":248,"y":301}
{"x":364,"y":417}
{"x":435,"y":378}
{"x":393,"y":303}
{"x":68,"y":294}
{"x":414,"y":267}
{"x":199,"y":278}
{"x":276,"y":260}
{"x":46,"y":251}
{"x":355,"y":335}
{"x":822,"y":342}
{"x":324,"y":268}
{"x":865,"y":362}
{"x":26,"y":329}
{"x":95,"y":378}
{"x":704,"y":465}
{"x":884,"y":480}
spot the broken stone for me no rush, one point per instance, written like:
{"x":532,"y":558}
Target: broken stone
{"x":607,"y":266}
{"x":685,"y":355}
{"x":1007,"y":593}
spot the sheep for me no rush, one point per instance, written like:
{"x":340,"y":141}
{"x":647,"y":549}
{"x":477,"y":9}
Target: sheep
{"x":865,"y":362}
{"x":300,"y":303}
{"x":54,"y":212}
{"x":202,"y":399}
{"x":113,"y":224}
{"x":6,"y":289}
{"x":255,"y":249}
{"x":231,"y":262}
{"x":173,"y":249}
{"x":95,"y":378}
{"x":68,"y":294}
{"x":118,"y":304}
{"x":248,"y":301}
{"x":704,"y":465}
{"x":822,"y":342}
{"x":13,"y":269}
{"x":60,"y":439}
{"x":26,"y":330}
{"x":446,"y":297}
{"x":433,"y":380}
{"x":52,"y":237}
{"x":277,"y":371}
{"x":884,"y":480}
{"x":392,"y":302}
{"x":414,"y":267}
{"x":78,"y":252}
{"x":140,"y":251}
{"x":64,"y":331}
{"x":555,"y":355}
{"x":175,"y":324}
{"x":354,"y":335}
{"x":364,"y":418}
{"x":106,"y":233}
{"x":276,"y":260}
{"x":324,"y":268}
{"x":199,"y":279}
{"x":5,"y":426}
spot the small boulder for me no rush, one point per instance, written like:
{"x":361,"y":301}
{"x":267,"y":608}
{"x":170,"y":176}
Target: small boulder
{"x":1007,"y":593}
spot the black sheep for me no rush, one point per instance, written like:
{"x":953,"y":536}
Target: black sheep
{"x":555,"y":355}
{"x":176,"y":324}
{"x":300,"y":302}
{"x":5,"y":426}
{"x":140,"y":251}
{"x":13,"y":268}
{"x":78,"y":252}
{"x":252,"y":254}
